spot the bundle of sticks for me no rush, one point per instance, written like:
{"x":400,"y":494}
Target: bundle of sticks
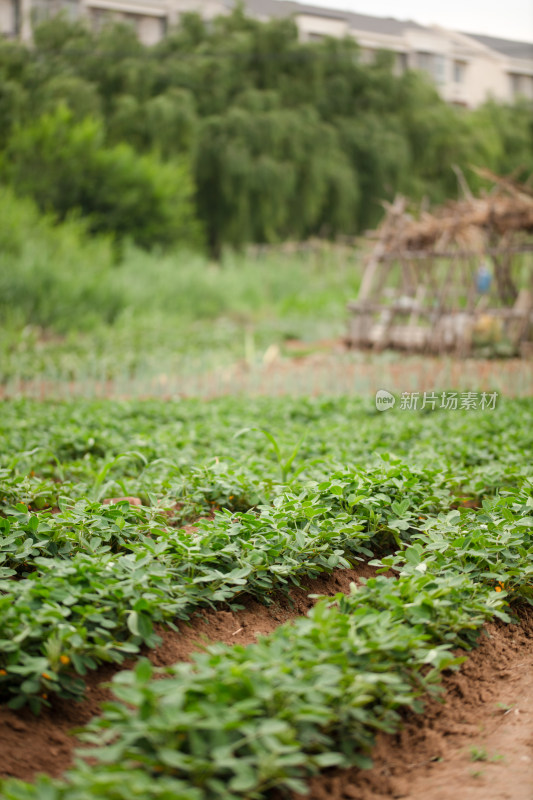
{"x":472,"y":223}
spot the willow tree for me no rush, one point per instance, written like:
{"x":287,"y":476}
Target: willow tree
{"x":271,"y":175}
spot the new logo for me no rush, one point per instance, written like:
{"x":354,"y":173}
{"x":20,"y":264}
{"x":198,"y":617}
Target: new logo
{"x":384,"y":400}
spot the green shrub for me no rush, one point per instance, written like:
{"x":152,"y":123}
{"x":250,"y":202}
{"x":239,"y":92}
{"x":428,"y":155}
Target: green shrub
{"x":51,"y":275}
{"x":65,"y":166}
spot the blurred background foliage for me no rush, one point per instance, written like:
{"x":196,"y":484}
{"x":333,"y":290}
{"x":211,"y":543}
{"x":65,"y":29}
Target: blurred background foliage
{"x":126,"y":171}
{"x":232,"y":132}
{"x":68,"y":308}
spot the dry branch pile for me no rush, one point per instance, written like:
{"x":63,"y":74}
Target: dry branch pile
{"x":427,"y":283}
{"x":472,"y":224}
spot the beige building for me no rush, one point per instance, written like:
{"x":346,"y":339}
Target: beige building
{"x":467,"y":68}
{"x":149,"y":18}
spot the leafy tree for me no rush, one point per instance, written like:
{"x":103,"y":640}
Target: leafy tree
{"x":380,"y":154}
{"x":166,"y":123}
{"x":507,"y":134}
{"x":271,"y":175}
{"x":81,"y":97}
{"x":284,"y":138}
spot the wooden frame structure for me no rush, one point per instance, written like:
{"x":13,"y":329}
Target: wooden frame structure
{"x":421,"y":288}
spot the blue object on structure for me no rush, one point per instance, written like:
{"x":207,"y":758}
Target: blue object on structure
{"x":483,"y":279}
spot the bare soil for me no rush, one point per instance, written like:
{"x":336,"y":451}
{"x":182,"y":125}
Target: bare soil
{"x":477,"y":744}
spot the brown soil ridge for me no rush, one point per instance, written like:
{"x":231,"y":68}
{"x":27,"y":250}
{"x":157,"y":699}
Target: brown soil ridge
{"x":30,"y":745}
{"x":478,"y":744}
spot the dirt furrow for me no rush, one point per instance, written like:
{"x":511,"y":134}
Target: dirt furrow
{"x":477,"y":744}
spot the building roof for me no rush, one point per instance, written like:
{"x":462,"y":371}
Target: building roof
{"x":269,"y":8}
{"x":387,"y":26}
{"x":360,"y":22}
{"x":508,"y":47}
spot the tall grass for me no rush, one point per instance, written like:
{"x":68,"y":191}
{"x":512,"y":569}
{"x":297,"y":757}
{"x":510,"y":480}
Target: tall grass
{"x":52,"y":276}
{"x":58,"y":277}
{"x":57,"y":282}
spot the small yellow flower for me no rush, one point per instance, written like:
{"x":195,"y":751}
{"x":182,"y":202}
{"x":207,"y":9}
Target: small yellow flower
{"x":3,"y":672}
{"x":64,"y":660}
{"x":47,"y":676}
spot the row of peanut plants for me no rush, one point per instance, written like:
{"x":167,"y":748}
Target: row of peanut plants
{"x":82,"y":582}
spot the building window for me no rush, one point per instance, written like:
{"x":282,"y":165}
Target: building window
{"x":99,"y":18}
{"x":521,"y":85}
{"x":424,"y":61}
{"x":72,"y":9}
{"x":38,"y":13}
{"x":16,"y":18}
{"x":440,"y":69}
{"x":515,"y":84}
{"x":432,"y":63}
{"x":459,"y":70}
{"x":46,"y":9}
{"x":315,"y":37}
{"x":401,"y":64}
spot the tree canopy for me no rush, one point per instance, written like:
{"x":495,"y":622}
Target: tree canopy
{"x":235,"y":128}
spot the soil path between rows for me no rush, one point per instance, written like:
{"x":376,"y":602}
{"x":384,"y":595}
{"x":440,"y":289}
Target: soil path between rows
{"x":478,"y":744}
